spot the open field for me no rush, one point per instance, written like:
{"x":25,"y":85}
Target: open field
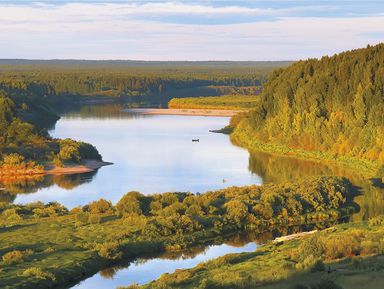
{"x":227,"y":102}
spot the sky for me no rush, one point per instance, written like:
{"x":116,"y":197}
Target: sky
{"x":187,"y":30}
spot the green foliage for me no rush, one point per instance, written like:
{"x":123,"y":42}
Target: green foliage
{"x":130,"y":203}
{"x":233,"y":102}
{"x":38,"y":274}
{"x":70,"y":243}
{"x":50,"y":210}
{"x":100,"y":207}
{"x":376,"y":221}
{"x":11,"y":215}
{"x":332,"y":106}
{"x":298,"y":263}
{"x":82,"y":217}
{"x":16,"y":256}
{"x":13,"y":160}
{"x":116,"y":79}
{"x":109,"y":250}
{"x":94,"y":219}
{"x":20,"y":143}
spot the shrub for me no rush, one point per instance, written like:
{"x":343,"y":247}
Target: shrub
{"x":11,"y":215}
{"x":39,"y":274}
{"x":57,"y":162}
{"x":376,"y":221}
{"x":16,"y":256}
{"x":13,"y":160}
{"x":109,"y":250}
{"x":50,"y":210}
{"x":312,"y":246}
{"x":94,"y":219}
{"x":130,"y":203}
{"x":82,"y":217}
{"x":135,"y":220}
{"x":100,"y":207}
{"x":76,"y":210}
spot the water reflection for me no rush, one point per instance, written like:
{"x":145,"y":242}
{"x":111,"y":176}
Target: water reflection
{"x":146,"y":269}
{"x":28,"y":184}
{"x":105,"y":111}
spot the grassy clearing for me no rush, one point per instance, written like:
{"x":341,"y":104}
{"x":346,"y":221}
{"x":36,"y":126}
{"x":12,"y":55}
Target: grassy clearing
{"x":230,"y":102}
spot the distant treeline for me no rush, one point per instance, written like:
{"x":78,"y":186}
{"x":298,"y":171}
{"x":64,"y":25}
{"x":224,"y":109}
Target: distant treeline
{"x":333,"y":106}
{"x":127,"y":78}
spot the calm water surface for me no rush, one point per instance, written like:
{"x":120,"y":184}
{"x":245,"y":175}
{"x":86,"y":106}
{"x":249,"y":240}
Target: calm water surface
{"x":145,"y":270}
{"x":150,"y":154}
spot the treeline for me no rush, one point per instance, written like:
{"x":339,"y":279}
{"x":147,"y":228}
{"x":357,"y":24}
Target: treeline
{"x":334,"y":105}
{"x":102,"y":233}
{"x":113,"y":79}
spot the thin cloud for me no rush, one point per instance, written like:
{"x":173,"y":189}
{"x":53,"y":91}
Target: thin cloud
{"x":114,"y":31}
{"x":73,"y":9}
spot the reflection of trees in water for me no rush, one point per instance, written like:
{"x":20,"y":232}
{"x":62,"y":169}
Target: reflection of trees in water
{"x":11,"y":186}
{"x":239,"y":240}
{"x":101,"y":111}
{"x":109,"y":273}
{"x":7,"y":197}
{"x":277,"y":169}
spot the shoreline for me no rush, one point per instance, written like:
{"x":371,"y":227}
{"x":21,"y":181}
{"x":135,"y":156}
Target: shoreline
{"x":86,"y":167}
{"x":365,"y":167}
{"x":191,"y":112}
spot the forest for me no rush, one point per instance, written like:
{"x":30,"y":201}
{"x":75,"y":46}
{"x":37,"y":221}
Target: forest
{"x":331,"y":108}
{"x":125,"y":78}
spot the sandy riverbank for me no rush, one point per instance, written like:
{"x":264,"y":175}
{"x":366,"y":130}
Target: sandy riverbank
{"x":293,"y":236}
{"x":173,"y":111}
{"x":86,"y":167}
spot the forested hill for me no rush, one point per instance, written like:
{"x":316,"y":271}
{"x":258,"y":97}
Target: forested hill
{"x":334,"y":105}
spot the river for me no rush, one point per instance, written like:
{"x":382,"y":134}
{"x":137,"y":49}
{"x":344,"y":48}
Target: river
{"x":155,"y":154}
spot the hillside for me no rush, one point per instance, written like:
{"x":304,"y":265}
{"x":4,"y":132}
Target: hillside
{"x":328,"y":108}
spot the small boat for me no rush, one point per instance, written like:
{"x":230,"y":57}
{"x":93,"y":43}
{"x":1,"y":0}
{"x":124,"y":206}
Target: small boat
{"x":195,"y":140}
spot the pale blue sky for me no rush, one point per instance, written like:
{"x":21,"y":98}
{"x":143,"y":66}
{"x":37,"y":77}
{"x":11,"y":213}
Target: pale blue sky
{"x":187,"y":30}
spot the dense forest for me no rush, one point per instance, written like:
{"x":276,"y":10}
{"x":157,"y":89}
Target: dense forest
{"x":89,"y":238}
{"x":130,"y":78}
{"x":333,"y":106}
